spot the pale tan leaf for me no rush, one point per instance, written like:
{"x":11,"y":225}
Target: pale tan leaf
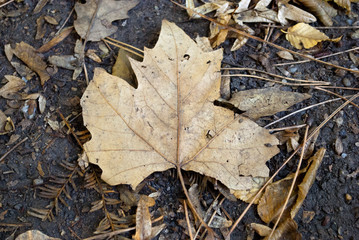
{"x":143,"y":218}
{"x":28,"y":55}
{"x":165,"y":122}
{"x":304,"y":35}
{"x":107,"y":12}
{"x":265,"y":102}
{"x":285,"y":55}
{"x":261,"y":229}
{"x":344,"y":4}
{"x":323,"y":10}
{"x":291,"y":12}
{"x":12,"y":87}
{"x":34,"y":235}
{"x":265,"y":15}
{"x":262,"y":4}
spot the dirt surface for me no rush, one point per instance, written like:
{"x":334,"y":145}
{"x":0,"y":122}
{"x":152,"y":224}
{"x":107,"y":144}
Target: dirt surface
{"x":334,"y":197}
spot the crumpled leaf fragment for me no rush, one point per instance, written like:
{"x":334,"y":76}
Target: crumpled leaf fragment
{"x":28,"y":55}
{"x":34,"y":235}
{"x":6,"y":124}
{"x":323,"y":10}
{"x":265,"y":102}
{"x":291,"y":12}
{"x":170,"y":120}
{"x":271,"y":203}
{"x":143,"y":218}
{"x":11,"y":89}
{"x":288,"y":230}
{"x":304,"y":35}
{"x":107,"y":12}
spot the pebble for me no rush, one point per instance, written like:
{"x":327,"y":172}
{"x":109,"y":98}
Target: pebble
{"x":348,"y":197}
{"x":344,"y":155}
{"x":357,"y":144}
{"x":38,"y":181}
{"x":18,"y":206}
{"x":347,"y":82}
{"x":325,"y":220}
{"x":293,"y":69}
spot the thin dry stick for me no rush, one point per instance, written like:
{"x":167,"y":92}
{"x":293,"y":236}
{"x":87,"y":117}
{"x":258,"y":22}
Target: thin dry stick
{"x":4,"y":4}
{"x":293,"y":183}
{"x":335,"y":94}
{"x":300,"y":110}
{"x":345,"y":88}
{"x":86,"y":73}
{"x":272,"y":80}
{"x":187,"y":220}
{"x":124,"y":48}
{"x":336,"y":27}
{"x":111,"y":234}
{"x":125,"y":44}
{"x":13,"y":148}
{"x":326,"y":56}
{"x":15,"y":224}
{"x":286,"y":128}
{"x":286,"y":161}
{"x":274,"y":75}
{"x":66,"y":20}
{"x":263,"y":41}
{"x":70,"y":128}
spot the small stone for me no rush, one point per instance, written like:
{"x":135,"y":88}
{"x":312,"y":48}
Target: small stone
{"x":325,"y":220}
{"x":348,"y":197}
{"x":357,"y":144}
{"x":18,"y":206}
{"x":344,"y":155}
{"x":37,"y":181}
{"x":347,"y":82}
{"x":293,"y":69}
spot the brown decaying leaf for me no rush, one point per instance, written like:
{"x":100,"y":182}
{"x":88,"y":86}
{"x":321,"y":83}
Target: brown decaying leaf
{"x":57,"y":39}
{"x":288,"y":230}
{"x":291,"y":12}
{"x":265,"y":102}
{"x":107,"y":12}
{"x":323,"y":10}
{"x":165,"y":122}
{"x":28,"y":55}
{"x":6,"y":124}
{"x":304,"y":35}
{"x":51,"y":20}
{"x":39,"y":6}
{"x":275,"y":194}
{"x":143,"y":218}
{"x":285,"y":55}
{"x":40,"y":30}
{"x":261,"y":229}
{"x":11,"y":89}
{"x":34,"y":235}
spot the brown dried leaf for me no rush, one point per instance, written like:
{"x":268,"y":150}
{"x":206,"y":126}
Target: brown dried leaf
{"x":265,"y":102}
{"x":288,"y":230}
{"x":285,"y":55}
{"x":291,"y":12}
{"x":261,"y":229}
{"x":107,"y":12}
{"x":57,"y":39}
{"x":11,"y":89}
{"x":143,"y":218}
{"x":39,"y":6}
{"x":165,"y":122}
{"x":51,"y":20}
{"x":304,"y":35}
{"x":6,"y":124}
{"x":28,"y":55}
{"x":323,"y":10}
{"x":40,"y":30}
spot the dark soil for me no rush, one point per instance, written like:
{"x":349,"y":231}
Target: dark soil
{"x":334,"y":197}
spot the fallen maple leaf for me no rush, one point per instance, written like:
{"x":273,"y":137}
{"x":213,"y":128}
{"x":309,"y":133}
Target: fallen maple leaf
{"x":99,"y":26}
{"x":304,"y":35}
{"x":170,"y":120}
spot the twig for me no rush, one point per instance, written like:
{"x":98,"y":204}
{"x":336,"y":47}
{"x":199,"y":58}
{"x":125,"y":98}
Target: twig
{"x":15,"y":224}
{"x":66,"y":20}
{"x":335,"y":94}
{"x":86,"y":73}
{"x":187,"y":220}
{"x":293,"y":182}
{"x":273,"y":75}
{"x":13,"y":148}
{"x":4,"y":4}
{"x":242,"y":33}
{"x":111,"y":234}
{"x":286,"y":128}
{"x":345,"y":88}
{"x":70,"y":128}
{"x":326,"y":56}
{"x":286,"y":161}
{"x":335,"y":27}
{"x":124,"y":48}
{"x":272,"y":80}
{"x":125,"y":44}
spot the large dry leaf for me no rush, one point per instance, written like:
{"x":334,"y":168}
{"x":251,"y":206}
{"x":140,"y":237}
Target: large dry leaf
{"x":170,"y":120}
{"x":107,"y":12}
{"x":304,"y":35}
{"x":265,"y":102}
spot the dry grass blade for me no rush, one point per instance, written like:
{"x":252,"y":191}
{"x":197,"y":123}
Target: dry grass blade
{"x":189,"y":227}
{"x":125,"y":47}
{"x":335,"y":94}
